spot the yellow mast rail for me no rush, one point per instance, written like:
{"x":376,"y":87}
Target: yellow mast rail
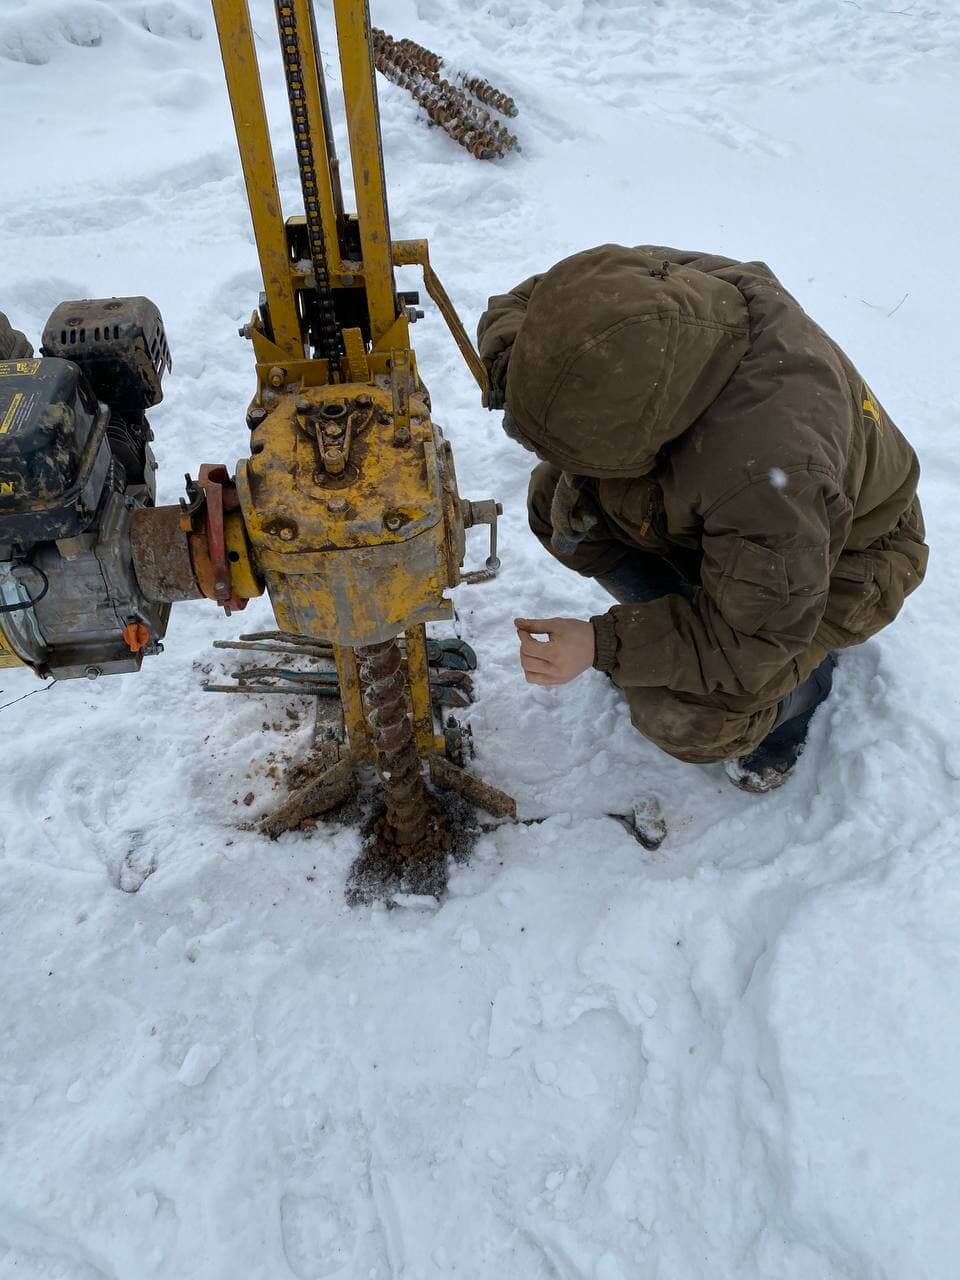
{"x":366,"y":158}
{"x":235,"y":31}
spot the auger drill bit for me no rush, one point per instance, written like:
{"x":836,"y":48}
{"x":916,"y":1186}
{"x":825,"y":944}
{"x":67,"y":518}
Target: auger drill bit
{"x":425,"y":58}
{"x":408,"y":811}
{"x":486,"y":93}
{"x":416,"y":69}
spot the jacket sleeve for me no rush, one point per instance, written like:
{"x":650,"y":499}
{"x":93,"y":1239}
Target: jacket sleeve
{"x":496,"y":332}
{"x":768,"y":549}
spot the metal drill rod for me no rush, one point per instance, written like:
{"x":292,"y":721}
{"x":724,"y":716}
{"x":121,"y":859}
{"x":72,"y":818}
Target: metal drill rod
{"x":386,"y":702}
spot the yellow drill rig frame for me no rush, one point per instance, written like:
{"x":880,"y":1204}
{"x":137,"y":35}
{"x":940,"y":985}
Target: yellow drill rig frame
{"x":347,"y":509}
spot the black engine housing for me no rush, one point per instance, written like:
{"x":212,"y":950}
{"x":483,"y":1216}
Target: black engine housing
{"x":75,"y":464}
{"x":54,"y":454}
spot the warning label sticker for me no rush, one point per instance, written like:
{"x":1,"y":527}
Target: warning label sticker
{"x":14,"y":410}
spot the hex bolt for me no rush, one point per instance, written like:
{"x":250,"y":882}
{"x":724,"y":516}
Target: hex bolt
{"x":288,"y":533}
{"x":276,"y":376}
{"x":336,"y":506}
{"x":393,"y":522}
{"x":334,"y":430}
{"x":93,"y":673}
{"x":255,"y":417}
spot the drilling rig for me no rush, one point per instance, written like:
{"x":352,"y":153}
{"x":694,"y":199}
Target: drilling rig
{"x":346,"y":511}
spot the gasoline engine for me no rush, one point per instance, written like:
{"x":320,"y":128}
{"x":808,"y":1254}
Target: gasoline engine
{"x":75,"y":468}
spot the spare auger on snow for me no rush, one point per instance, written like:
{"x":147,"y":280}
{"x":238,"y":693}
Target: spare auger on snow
{"x":347,"y":510}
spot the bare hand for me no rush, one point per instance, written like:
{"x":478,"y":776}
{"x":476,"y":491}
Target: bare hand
{"x":568,"y":651}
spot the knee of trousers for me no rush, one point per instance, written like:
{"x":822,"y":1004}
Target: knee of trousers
{"x":694,"y":730}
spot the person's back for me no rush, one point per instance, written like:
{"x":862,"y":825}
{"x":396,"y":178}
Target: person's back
{"x":715,"y":460}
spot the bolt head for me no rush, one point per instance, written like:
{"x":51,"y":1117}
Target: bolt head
{"x":93,"y":673}
{"x":336,"y":506}
{"x":276,"y":376}
{"x":287,"y":533}
{"x":393,"y":523}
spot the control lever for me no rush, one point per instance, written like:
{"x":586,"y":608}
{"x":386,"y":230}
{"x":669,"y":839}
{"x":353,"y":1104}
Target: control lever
{"x":485,"y":512}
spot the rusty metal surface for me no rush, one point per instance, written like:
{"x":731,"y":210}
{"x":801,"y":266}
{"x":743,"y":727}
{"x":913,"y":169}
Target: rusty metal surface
{"x":491,"y":799}
{"x":489,"y":94}
{"x":161,"y":555}
{"x":386,"y":701}
{"x":418,"y":678}
{"x":451,"y":108}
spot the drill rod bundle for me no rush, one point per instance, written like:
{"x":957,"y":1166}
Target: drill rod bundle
{"x":450,"y":106}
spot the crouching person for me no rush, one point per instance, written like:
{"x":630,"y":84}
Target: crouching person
{"x":713,"y":459}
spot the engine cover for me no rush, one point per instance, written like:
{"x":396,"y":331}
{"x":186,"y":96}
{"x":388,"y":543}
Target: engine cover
{"x":54,"y":455}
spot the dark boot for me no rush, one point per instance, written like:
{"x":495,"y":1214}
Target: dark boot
{"x":769,"y":766}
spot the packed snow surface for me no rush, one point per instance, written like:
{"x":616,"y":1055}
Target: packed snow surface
{"x":738,"y":1057}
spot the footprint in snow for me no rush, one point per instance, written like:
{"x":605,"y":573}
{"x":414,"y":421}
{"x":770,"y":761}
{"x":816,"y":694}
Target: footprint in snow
{"x":137,"y":866}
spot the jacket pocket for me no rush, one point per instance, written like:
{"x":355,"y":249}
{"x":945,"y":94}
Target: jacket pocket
{"x":636,"y":507}
{"x":753,"y":586}
{"x":853,"y":606}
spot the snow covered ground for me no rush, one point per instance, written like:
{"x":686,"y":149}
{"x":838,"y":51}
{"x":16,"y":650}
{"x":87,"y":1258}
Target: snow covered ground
{"x":738,"y":1057}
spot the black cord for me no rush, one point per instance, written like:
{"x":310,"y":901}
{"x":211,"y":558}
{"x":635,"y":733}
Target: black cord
{"x":33,"y":692}
{"x":28,"y":604}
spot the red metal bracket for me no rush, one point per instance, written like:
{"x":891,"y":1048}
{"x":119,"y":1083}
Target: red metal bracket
{"x":212,"y":495}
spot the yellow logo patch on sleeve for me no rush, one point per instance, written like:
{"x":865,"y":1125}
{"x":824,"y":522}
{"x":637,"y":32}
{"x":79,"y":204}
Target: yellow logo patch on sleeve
{"x":869,"y":405}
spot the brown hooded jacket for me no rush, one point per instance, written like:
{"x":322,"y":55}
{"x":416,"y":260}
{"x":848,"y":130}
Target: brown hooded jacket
{"x":722,"y":429}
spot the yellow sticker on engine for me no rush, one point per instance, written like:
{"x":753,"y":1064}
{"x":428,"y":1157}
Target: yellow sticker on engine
{"x":21,"y":368}
{"x":10,"y":416}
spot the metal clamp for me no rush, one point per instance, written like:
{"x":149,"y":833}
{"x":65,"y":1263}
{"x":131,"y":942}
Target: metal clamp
{"x":485,"y":512}
{"x":203,"y":514}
